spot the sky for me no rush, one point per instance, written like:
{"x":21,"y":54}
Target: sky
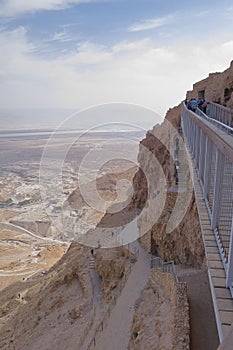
{"x":73,"y":54}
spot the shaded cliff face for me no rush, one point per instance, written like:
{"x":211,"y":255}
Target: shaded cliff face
{"x":218,"y":87}
{"x":183,"y":243}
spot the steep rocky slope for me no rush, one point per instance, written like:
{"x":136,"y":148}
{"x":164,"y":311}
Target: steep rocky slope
{"x":155,"y":196}
{"x":56,"y":309}
{"x":184,"y":243}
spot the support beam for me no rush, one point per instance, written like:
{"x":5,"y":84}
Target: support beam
{"x":217,"y":189}
{"x":202,"y":156}
{"x":229,"y":282}
{"x":208,"y":157}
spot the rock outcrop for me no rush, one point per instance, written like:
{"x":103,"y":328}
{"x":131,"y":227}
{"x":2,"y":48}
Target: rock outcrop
{"x":111,"y":265}
{"x":161,"y":318}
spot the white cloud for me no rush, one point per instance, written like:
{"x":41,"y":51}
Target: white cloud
{"x":150,"y":23}
{"x":135,"y":72}
{"x":62,"y":36}
{"x":10,"y":8}
{"x":126,"y":46}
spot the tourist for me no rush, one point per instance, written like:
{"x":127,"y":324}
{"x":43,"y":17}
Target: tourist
{"x":204,"y":107}
{"x":192,"y":105}
{"x":200,"y":103}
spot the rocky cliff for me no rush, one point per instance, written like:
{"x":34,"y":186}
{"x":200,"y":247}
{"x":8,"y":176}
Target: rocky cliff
{"x":183,"y":243}
{"x":55,"y":309}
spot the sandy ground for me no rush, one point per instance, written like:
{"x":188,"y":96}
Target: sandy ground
{"x":22,"y":255}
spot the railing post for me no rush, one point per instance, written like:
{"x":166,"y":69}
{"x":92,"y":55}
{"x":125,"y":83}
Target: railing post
{"x":217,"y":189}
{"x":230,"y":261}
{"x":197,"y":147}
{"x":201,"y":155}
{"x":191,"y":135}
{"x":208,"y":157}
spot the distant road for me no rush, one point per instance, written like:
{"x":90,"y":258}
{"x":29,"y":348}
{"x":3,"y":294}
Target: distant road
{"x":46,"y":239}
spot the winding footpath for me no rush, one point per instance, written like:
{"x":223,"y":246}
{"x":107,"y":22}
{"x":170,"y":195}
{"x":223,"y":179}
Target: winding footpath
{"x":118,"y":331}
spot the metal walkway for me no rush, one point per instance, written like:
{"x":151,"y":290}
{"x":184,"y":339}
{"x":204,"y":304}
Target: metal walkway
{"x":211,"y":152}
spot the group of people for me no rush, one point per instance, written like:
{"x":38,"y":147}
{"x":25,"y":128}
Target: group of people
{"x":194,"y":103}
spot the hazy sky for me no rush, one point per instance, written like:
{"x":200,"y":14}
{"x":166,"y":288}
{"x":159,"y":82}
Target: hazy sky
{"x":77,"y":53}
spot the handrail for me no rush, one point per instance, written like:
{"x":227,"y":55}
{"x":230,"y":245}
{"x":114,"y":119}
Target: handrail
{"x":223,"y":141}
{"x":157,"y":262}
{"x":212,"y":152}
{"x":220,"y":113}
{"x":221,"y":106}
{"x":214,"y":121}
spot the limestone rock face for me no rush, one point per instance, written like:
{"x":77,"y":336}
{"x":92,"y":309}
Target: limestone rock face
{"x":161,"y":315}
{"x":184,"y":243}
{"x":111,"y":266}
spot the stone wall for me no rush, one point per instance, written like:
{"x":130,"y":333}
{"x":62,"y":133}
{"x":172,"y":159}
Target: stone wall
{"x":180,"y":307}
{"x":217,"y":87}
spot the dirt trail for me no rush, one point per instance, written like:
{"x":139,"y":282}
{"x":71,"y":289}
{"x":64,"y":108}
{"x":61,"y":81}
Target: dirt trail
{"x":117,"y":333}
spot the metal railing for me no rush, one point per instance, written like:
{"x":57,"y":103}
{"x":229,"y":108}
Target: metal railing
{"x":212,"y":152}
{"x":220,"y":113}
{"x":223,"y":123}
{"x":164,"y":266}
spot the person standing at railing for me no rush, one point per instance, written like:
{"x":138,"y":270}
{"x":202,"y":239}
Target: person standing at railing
{"x":204,"y":107}
{"x":192,"y":105}
{"x":200,"y":103}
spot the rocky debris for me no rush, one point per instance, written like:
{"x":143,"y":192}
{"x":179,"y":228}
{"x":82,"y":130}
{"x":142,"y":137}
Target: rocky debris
{"x":161,"y":318}
{"x":111,"y":265}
